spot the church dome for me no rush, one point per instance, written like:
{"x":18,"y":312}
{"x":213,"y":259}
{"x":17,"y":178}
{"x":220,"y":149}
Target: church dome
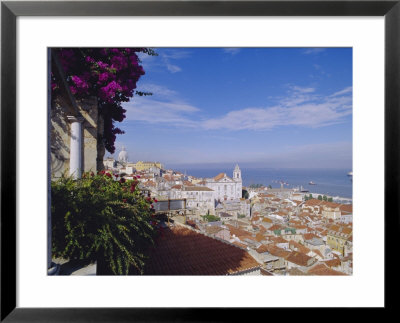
{"x":123,"y":156}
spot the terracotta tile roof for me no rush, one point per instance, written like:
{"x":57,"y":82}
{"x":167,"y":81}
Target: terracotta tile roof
{"x":219,"y":176}
{"x":183,"y":251}
{"x":332,"y":205}
{"x":299,"y":258}
{"x":323,"y":270}
{"x":191,"y":223}
{"x":277,"y":252}
{"x":278,"y":240}
{"x":296,"y":272}
{"x":236,"y":231}
{"x":246,"y":236}
{"x":260,"y":237}
{"x":340,"y":230}
{"x":295,"y":245}
{"x":300,"y":226}
{"x":348,"y":208}
{"x":261,"y":249}
{"x":309,"y":236}
{"x":333,"y":263}
{"x":275,"y":227}
{"x":312,"y":202}
{"x":261,"y":229}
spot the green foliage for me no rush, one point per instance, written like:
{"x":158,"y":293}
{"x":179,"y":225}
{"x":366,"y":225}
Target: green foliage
{"x":269,"y":186}
{"x":241,"y":216}
{"x":245,"y":194}
{"x":256,"y":185}
{"x":325,"y":198}
{"x":320,"y":197}
{"x":330,"y":199}
{"x":211,"y":218}
{"x":309,"y":197}
{"x":102,"y":218}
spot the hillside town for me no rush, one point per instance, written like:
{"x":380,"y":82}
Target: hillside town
{"x":222,"y":227}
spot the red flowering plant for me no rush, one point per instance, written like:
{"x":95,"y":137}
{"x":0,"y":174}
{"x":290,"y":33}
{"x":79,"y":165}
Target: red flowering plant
{"x":99,"y":218}
{"x":110,"y":74}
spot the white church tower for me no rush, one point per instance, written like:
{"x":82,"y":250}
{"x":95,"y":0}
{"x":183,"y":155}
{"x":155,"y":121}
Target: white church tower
{"x":237,"y":174}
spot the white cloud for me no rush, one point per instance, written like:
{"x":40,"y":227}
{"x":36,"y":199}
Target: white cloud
{"x":174,"y":54}
{"x":166,"y":59}
{"x":302,"y":107}
{"x":158,"y":90}
{"x":344,"y":91}
{"x":295,"y":110}
{"x":302,"y":89}
{"x":173,"y":68}
{"x":164,"y":106}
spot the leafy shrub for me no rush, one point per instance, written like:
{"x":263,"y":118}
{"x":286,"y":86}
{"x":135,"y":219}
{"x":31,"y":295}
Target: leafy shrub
{"x":104,"y":218}
{"x":211,"y":218}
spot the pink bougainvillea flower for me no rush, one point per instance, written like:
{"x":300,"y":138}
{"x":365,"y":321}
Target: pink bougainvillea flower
{"x":110,"y":74}
{"x":122,"y":180}
{"x":108,"y":175}
{"x":103,"y":76}
{"x":102,"y":64}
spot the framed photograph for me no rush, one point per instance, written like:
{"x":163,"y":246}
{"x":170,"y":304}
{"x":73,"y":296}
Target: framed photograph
{"x":172,"y":149}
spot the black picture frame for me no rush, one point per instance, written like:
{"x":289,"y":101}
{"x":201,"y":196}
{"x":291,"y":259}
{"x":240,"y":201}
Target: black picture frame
{"x":10,"y":10}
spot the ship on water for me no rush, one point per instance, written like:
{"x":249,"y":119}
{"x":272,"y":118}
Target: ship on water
{"x":311,"y":183}
{"x":350,"y":174}
{"x":303,"y":190}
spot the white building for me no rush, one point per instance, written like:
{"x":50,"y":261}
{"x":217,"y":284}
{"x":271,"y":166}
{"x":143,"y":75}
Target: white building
{"x":200,"y":199}
{"x":109,"y":163}
{"x":224,"y":187}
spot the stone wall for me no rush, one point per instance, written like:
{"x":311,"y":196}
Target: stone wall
{"x":92,"y":148}
{"x":89,"y":111}
{"x":59,"y":137}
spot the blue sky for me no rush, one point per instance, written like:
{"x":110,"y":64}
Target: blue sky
{"x":260,"y":107}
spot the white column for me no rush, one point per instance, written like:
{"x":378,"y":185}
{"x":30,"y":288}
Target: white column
{"x":75,"y":154}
